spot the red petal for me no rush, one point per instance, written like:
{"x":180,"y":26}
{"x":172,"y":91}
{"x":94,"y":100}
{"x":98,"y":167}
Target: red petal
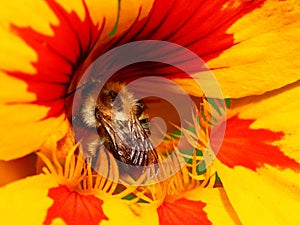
{"x":58,"y":55}
{"x":182,"y":212}
{"x":200,"y":26}
{"x":252,"y":148}
{"x":73,"y":208}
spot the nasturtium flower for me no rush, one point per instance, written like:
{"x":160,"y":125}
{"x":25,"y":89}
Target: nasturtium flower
{"x":251,"y":47}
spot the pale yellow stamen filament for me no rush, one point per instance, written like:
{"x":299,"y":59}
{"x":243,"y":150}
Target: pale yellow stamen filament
{"x":77,"y":174}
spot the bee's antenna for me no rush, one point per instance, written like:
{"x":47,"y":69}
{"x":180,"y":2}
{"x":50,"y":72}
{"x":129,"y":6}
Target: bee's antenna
{"x":81,"y":87}
{"x":73,"y":91}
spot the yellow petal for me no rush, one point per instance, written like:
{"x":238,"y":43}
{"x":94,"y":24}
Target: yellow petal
{"x":266,"y":51}
{"x":13,"y":90}
{"x":277,"y":111}
{"x":26,"y":201}
{"x":149,"y":216}
{"x":130,"y":10}
{"x":270,"y":194}
{"x":218,"y":207}
{"x":119,"y":211}
{"x":20,"y":137}
{"x":21,"y":54}
{"x":41,"y":20}
{"x":58,"y":221}
{"x":20,"y":14}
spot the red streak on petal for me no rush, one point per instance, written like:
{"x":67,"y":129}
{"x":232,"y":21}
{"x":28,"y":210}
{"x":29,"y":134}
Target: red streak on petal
{"x":252,"y":148}
{"x":200,"y":26}
{"x":182,"y":212}
{"x":73,"y":208}
{"x":58,"y":56}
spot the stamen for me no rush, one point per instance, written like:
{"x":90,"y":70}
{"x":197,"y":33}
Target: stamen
{"x":69,"y":164}
{"x":190,"y":176}
{"x":57,"y":164}
{"x":77,"y":174}
{"x":48,"y":163}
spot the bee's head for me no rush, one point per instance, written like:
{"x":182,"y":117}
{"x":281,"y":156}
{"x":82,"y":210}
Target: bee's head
{"x":122,"y":125}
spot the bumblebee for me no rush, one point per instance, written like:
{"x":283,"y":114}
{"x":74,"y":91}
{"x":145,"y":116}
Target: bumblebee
{"x":121,"y":123}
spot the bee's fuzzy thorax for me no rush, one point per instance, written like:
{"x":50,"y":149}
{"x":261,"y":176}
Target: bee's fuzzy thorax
{"x":104,"y":102}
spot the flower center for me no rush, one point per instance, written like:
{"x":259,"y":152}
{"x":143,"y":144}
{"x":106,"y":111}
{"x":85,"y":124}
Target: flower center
{"x":71,"y":169}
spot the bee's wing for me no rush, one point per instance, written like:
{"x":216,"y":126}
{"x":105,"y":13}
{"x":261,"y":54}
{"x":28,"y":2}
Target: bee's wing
{"x":143,"y":153}
{"x":131,"y":142}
